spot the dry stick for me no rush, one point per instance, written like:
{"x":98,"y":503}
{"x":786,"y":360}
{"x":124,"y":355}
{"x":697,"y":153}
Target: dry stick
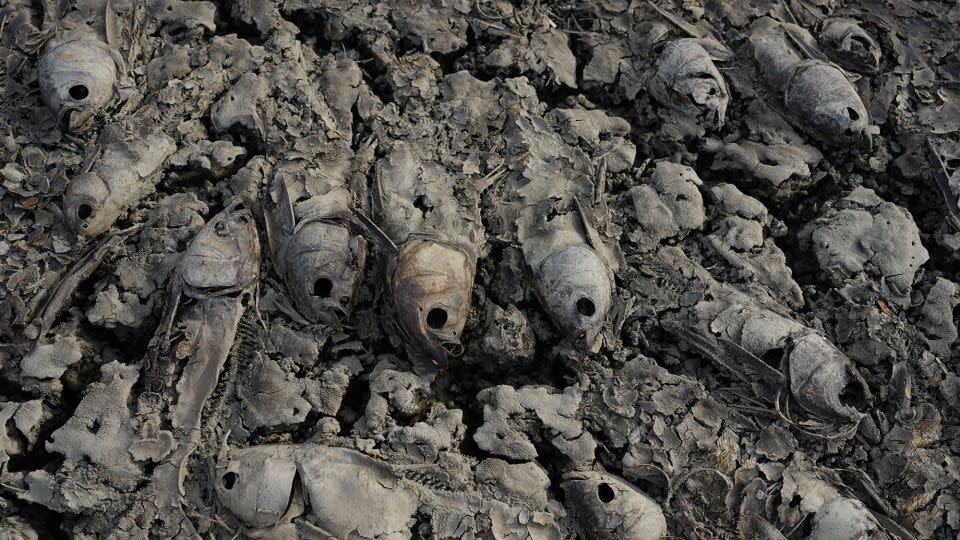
{"x":72,"y":279}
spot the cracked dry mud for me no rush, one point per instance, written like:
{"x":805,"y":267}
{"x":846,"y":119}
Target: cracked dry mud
{"x":518,"y":269}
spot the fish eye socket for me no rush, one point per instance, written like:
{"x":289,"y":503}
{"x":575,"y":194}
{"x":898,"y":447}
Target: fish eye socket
{"x":436,"y":318}
{"x":222,"y":229}
{"x":585,"y":307}
{"x":853,"y":114}
{"x":322,"y":288}
{"x":229,"y":480}
{"x":79,"y":91}
{"x":605,"y":492}
{"x":84,"y":211}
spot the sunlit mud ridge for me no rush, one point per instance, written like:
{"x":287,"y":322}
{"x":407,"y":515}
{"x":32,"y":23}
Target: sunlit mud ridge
{"x":356,"y":269}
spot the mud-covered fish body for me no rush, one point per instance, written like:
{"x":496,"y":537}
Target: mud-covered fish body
{"x":353,"y":495}
{"x":224,"y":257}
{"x":574,"y":285}
{"x":686,"y":79}
{"x":350,"y":495}
{"x":608,"y":507}
{"x":431,"y":282}
{"x":850,"y":45}
{"x":824,"y":381}
{"x":822,"y":96}
{"x":322,"y":264}
{"x":560,"y":226}
{"x":77,"y":78}
{"x":775,"y":56}
{"x":571,"y":275}
{"x":124,"y":172}
{"x":315,"y":247}
{"x":278,"y":491}
{"x":430,"y":222}
{"x":817,"y":96}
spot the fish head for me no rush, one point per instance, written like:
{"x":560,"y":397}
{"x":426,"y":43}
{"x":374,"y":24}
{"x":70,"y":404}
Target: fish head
{"x":574,"y":285}
{"x":828,"y":106}
{"x":323,"y":264}
{"x":686,"y":79}
{"x":224,"y":257}
{"x":431,"y":282}
{"x":88,"y":205}
{"x":824,"y":381}
{"x":77,"y":80}
{"x":607,"y":506}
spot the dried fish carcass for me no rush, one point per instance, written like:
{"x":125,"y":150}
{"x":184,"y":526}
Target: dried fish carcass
{"x":434,"y":241}
{"x":650,"y":47}
{"x":816,"y":94}
{"x":214,"y":285}
{"x":555,"y":212}
{"x":822,"y":380}
{"x":126,"y":170}
{"x":312,"y":239}
{"x":77,"y":73}
{"x":834,"y":515}
{"x":780,"y":357}
{"x":850,"y":45}
{"x":685,"y":79}
{"x":341,"y":493}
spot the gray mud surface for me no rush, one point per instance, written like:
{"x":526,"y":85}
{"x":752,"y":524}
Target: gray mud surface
{"x":479,"y":269}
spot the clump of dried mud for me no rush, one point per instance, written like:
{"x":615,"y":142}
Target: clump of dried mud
{"x":498,"y":269}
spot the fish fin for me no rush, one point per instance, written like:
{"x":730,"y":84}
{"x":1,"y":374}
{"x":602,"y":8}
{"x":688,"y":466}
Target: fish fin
{"x":765,"y":380}
{"x":942,"y":179}
{"x":375,"y":230}
{"x":683,"y":25}
{"x":718,"y":51}
{"x":593,"y":238}
{"x":801,"y":39}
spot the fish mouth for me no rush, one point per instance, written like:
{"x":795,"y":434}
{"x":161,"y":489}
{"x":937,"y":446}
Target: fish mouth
{"x":74,"y":119}
{"x":453,"y":349}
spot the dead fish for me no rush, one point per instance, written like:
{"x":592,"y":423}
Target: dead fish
{"x":685,"y":79}
{"x":224,"y":257}
{"x":571,"y":276}
{"x":575,"y":288}
{"x":125,"y":172}
{"x":816,"y":94}
{"x":849,"y":45}
{"x":320,"y":258}
{"x":323,"y":263}
{"x":824,"y":381}
{"x":778,"y":356}
{"x":77,"y":78}
{"x":350,"y":495}
{"x":218,"y":272}
{"x":431,"y":282}
{"x":942,"y":167}
{"x":608,"y":507}
{"x":431,"y":267}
